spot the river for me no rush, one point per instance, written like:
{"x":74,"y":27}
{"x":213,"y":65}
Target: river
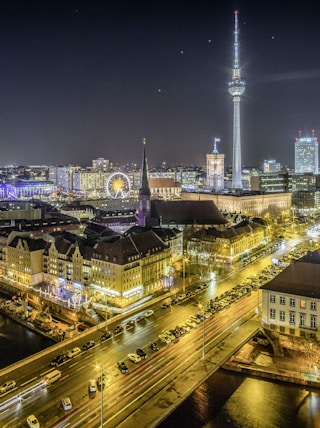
{"x":228,"y":400}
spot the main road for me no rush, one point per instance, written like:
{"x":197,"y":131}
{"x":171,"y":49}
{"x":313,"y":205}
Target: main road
{"x":123,"y":393}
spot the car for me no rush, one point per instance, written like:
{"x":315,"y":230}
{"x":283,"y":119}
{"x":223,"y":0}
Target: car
{"x":74,"y":352}
{"x":134,"y":358}
{"x":165,"y":305}
{"x":107,"y":335}
{"x":168,"y":333}
{"x":191,"y":323}
{"x":88,"y":345}
{"x":7,"y":386}
{"x":59,"y":359}
{"x":118,"y":329}
{"x":66,"y":403}
{"x":92,"y":386}
{"x":140,"y":318}
{"x":154,"y":346}
{"x":141,"y":353}
{"x":33,"y":422}
{"x":123,"y":367}
{"x":130,"y":324}
{"x":149,"y":313}
{"x":164,"y":339}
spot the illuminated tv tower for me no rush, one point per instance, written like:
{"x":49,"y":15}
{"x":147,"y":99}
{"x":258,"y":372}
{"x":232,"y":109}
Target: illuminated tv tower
{"x":236,"y":88}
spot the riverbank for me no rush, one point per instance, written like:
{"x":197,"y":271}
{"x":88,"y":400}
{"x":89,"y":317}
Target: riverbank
{"x":254,"y":359}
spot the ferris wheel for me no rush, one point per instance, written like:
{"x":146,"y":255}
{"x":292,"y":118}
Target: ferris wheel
{"x":118,"y":185}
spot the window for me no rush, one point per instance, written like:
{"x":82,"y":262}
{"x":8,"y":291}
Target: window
{"x":282,"y":316}
{"x":303,"y":304}
{"x":313,"y":321}
{"x":282,"y":300}
{"x":292,"y":302}
{"x":292,"y":318}
{"x":282,"y":329}
{"x":302,"y":320}
{"x":272,"y":313}
{"x":313,"y":306}
{"x":272,"y":298}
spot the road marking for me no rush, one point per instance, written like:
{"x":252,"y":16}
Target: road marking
{"x":28,"y":381}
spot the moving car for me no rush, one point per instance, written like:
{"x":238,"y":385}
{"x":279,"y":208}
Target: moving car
{"x":33,"y":422}
{"x":107,"y":335}
{"x":118,"y":329}
{"x":102,"y":381}
{"x":66,"y":403}
{"x":9,"y":384}
{"x":123,"y":367}
{"x":130,"y":324}
{"x":88,"y":345}
{"x":134,"y":358}
{"x":59,"y":359}
{"x":149,"y":313}
{"x":73,"y":352}
{"x":92,"y":385}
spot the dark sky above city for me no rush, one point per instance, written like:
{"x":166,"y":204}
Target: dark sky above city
{"x":86,"y":79}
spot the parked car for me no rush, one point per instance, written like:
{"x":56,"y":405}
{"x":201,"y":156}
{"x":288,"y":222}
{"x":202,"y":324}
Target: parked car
{"x":154,"y":346}
{"x":149,"y":313}
{"x":141,"y":353}
{"x":33,"y":422}
{"x":107,"y":335}
{"x":66,"y":403}
{"x":140,"y":318}
{"x":123,"y":367}
{"x":7,"y":386}
{"x":88,"y":345}
{"x":134,"y":358}
{"x":164,"y":339}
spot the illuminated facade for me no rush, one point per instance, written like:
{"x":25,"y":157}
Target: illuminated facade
{"x":215,"y":168}
{"x":306,"y":156}
{"x":236,"y":88}
{"x":291,"y":301}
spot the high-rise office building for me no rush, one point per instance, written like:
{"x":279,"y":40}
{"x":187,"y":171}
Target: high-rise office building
{"x":271,"y":166}
{"x":306,"y":156}
{"x":215,"y":168}
{"x":236,"y":88}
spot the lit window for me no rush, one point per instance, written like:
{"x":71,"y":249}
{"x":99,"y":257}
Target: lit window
{"x":303,"y":304}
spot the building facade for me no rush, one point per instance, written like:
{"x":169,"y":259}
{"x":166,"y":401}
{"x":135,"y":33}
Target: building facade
{"x":306,"y":156}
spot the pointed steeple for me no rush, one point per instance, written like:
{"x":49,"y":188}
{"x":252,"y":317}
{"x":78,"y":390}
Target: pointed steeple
{"x":144,"y":185}
{"x":144,"y":209}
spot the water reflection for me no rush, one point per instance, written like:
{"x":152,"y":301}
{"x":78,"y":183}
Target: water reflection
{"x":231,"y":400}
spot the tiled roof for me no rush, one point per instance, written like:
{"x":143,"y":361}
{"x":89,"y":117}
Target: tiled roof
{"x":187,"y":212}
{"x":300,"y":278}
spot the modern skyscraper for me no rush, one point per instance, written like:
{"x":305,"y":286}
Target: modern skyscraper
{"x":215,"y":168}
{"x":144,"y":208}
{"x":306,"y":157}
{"x":236,"y":88}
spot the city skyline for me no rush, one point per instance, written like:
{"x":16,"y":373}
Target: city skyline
{"x":81,"y":81}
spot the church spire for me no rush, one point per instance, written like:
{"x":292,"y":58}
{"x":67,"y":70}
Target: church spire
{"x":144,"y":185}
{"x":144,"y":209}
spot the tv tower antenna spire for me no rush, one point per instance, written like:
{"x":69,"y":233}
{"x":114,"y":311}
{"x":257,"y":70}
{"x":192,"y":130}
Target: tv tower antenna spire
{"x":236,"y":88}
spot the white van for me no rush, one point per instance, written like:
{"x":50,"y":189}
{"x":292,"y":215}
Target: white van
{"x":51,"y":377}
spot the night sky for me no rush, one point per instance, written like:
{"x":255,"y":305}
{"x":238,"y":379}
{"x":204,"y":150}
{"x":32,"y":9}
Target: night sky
{"x":86,"y":79}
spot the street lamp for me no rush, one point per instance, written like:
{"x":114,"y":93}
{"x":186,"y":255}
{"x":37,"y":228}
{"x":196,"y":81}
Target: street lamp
{"x":201,"y":307}
{"x":101,"y":386}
